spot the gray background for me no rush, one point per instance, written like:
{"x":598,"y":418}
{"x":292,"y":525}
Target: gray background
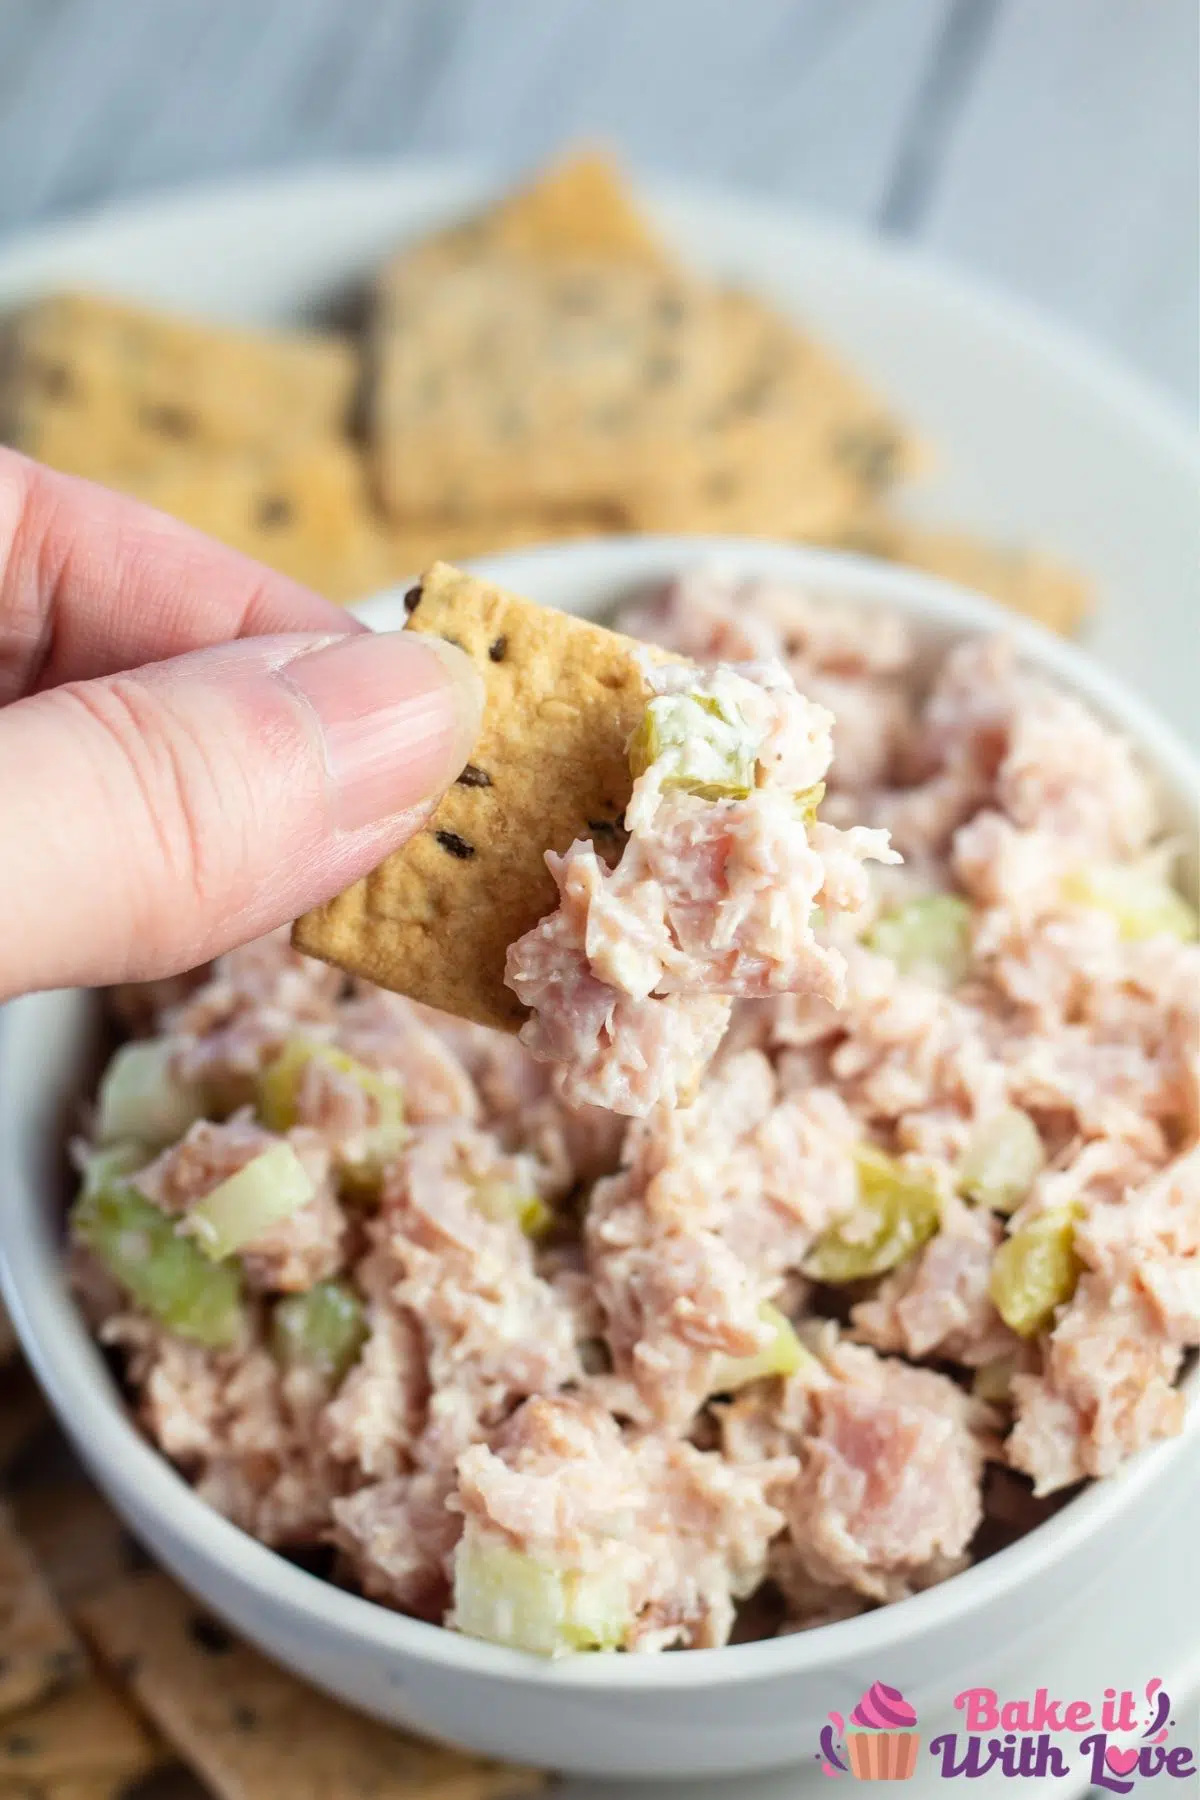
{"x":1047,"y":145}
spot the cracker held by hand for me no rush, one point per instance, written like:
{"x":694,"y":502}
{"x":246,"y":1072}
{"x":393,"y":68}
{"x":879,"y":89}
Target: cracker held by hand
{"x":549,"y":766}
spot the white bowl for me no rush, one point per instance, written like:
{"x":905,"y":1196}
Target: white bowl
{"x":708,"y":1712}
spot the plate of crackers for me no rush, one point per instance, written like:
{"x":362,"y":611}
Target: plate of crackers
{"x":350,"y":374}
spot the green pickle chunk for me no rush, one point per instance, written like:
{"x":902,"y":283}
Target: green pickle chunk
{"x":784,"y":1355}
{"x":510,"y":1597}
{"x":324,"y":1328}
{"x":1002,"y":1160}
{"x":704,"y":747}
{"x":162,"y":1271}
{"x":929,"y":937}
{"x":500,"y":1200}
{"x":361,"y":1169}
{"x":897,"y":1213}
{"x":1142,"y":901}
{"x":1034,"y":1271}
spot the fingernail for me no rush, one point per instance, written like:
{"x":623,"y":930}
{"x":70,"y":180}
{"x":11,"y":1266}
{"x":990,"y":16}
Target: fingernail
{"x":398,"y":711}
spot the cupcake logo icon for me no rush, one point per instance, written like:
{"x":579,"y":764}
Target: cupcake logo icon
{"x":879,"y":1741}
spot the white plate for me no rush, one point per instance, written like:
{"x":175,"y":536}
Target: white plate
{"x":1042,"y":440}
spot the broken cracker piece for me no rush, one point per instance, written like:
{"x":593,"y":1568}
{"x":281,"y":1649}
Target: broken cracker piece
{"x":39,"y":1653}
{"x":549,"y":766}
{"x":254,"y":1732}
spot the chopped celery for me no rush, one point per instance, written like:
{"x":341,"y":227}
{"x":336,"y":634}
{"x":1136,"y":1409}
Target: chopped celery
{"x":323,"y":1328}
{"x":902,"y":1213}
{"x":1035,"y":1270}
{"x":510,"y":1597}
{"x":782,"y":1356}
{"x":141,"y":1098}
{"x":1002,"y":1160}
{"x":929,"y":937}
{"x":500,"y":1200}
{"x":104,"y":1166}
{"x":163,"y":1272}
{"x":1141,"y":900}
{"x":272,"y":1187}
{"x":703,"y":746}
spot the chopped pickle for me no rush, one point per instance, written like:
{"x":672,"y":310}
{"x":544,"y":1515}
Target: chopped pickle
{"x":702,"y":746}
{"x":272,"y":1187}
{"x":1035,"y":1270}
{"x":510,"y":1597}
{"x":992,"y":1380}
{"x":897,"y":1212}
{"x":1140,"y":899}
{"x":808,"y":799}
{"x":782,"y":1356}
{"x":361,"y":1167}
{"x":929,"y":937}
{"x":500,"y":1200}
{"x":323,"y":1329}
{"x":140,"y":1098}
{"x":1002,"y":1160}
{"x":163,"y":1272}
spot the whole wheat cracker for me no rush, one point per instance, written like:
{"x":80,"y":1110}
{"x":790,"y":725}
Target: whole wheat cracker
{"x":254,"y":1732}
{"x":562,"y":698}
{"x":39,"y":1652}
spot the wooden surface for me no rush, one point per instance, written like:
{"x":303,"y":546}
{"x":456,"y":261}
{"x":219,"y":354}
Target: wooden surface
{"x":1048,"y":145}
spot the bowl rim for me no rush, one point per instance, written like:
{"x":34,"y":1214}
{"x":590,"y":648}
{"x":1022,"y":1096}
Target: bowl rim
{"x":71,"y":1369}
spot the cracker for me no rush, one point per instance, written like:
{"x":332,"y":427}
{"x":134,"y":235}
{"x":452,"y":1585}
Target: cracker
{"x":508,"y":384}
{"x":84,"y":1733}
{"x":24,"y":1415}
{"x":1025,"y":580}
{"x":511,"y":385}
{"x":145,"y":384}
{"x":562,"y":697}
{"x":78,"y":1541}
{"x":304,"y":511}
{"x":254,"y":1732}
{"x":582,"y":204}
{"x":39,"y":1653}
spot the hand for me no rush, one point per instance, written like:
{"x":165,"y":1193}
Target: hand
{"x":192,"y":749}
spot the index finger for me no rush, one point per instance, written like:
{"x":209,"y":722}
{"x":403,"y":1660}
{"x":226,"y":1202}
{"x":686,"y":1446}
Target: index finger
{"x":92,"y":583}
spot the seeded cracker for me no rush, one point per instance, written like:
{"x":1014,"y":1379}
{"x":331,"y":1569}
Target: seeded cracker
{"x":84,"y":1733}
{"x":77,"y":1540}
{"x":252,"y":1731}
{"x":135,"y":385}
{"x":39,"y":1653}
{"x":549,"y":766}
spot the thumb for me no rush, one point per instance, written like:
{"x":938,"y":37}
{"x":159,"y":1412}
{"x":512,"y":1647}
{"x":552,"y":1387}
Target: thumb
{"x":150,"y":820}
